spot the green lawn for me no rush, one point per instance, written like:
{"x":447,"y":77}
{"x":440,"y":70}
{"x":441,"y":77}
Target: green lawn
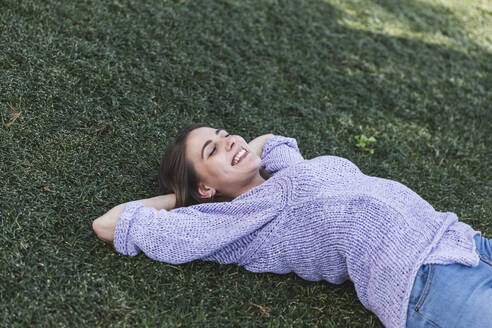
{"x":92,"y":91}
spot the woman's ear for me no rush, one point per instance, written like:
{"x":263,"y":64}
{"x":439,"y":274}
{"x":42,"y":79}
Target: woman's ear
{"x":206,"y":191}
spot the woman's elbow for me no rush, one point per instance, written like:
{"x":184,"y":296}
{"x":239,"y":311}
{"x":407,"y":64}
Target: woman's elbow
{"x":103,"y":229}
{"x":105,"y":225}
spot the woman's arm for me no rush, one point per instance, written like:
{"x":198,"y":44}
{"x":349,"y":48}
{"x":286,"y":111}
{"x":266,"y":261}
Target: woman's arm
{"x":105,"y":225}
{"x":256,"y":145}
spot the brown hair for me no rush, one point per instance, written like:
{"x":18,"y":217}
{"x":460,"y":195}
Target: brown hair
{"x":177,"y":175}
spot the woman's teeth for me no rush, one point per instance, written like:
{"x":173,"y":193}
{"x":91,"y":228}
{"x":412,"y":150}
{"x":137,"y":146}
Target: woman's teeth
{"x":238,"y":157}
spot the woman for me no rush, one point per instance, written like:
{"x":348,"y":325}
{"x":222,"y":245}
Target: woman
{"x":263,"y":206}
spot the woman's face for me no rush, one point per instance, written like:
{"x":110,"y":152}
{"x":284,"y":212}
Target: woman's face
{"x":214,"y":154}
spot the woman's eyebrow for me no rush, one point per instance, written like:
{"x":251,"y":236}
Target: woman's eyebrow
{"x":209,"y":141}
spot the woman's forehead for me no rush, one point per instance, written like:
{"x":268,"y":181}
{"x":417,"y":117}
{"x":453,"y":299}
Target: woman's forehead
{"x":201,"y":135}
{"x":196,"y":139}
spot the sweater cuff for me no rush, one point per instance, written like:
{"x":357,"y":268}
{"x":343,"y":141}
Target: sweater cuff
{"x":122,"y":242}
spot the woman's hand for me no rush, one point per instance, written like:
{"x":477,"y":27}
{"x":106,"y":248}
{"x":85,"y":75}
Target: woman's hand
{"x":256,"y":145}
{"x":105,"y":225}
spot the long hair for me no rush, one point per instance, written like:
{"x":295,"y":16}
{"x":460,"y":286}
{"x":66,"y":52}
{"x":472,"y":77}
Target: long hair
{"x":177,"y":175}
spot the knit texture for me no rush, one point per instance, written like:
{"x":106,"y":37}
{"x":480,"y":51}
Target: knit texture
{"x":321,"y":218}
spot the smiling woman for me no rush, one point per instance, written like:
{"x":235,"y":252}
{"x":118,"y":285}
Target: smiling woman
{"x":216,"y":166}
{"x":321,"y":218}
{"x":198,"y":166}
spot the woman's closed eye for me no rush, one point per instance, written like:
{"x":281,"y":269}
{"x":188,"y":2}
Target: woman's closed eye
{"x":213,"y":150}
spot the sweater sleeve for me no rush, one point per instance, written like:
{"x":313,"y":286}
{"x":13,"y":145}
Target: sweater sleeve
{"x":279,"y":153}
{"x":185,"y":234}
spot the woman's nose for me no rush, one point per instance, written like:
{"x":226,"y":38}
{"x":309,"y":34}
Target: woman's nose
{"x":229,"y":141}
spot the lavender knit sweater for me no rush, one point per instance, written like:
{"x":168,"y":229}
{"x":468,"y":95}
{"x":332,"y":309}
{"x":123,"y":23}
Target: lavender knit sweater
{"x":321,"y":218}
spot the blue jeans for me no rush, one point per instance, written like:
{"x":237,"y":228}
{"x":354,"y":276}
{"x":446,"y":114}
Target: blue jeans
{"x":453,"y":295}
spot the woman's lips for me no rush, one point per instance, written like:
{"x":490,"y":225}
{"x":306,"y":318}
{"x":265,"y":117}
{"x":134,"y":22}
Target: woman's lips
{"x":241,"y":158}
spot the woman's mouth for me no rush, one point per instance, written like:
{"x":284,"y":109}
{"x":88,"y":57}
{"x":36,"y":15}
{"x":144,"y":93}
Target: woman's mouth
{"x":239,"y":156}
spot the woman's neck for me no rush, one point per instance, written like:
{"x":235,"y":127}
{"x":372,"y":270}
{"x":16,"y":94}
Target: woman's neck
{"x":255,"y":182}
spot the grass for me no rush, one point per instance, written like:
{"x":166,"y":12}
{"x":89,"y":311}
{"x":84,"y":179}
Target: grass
{"x":92,"y":91}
